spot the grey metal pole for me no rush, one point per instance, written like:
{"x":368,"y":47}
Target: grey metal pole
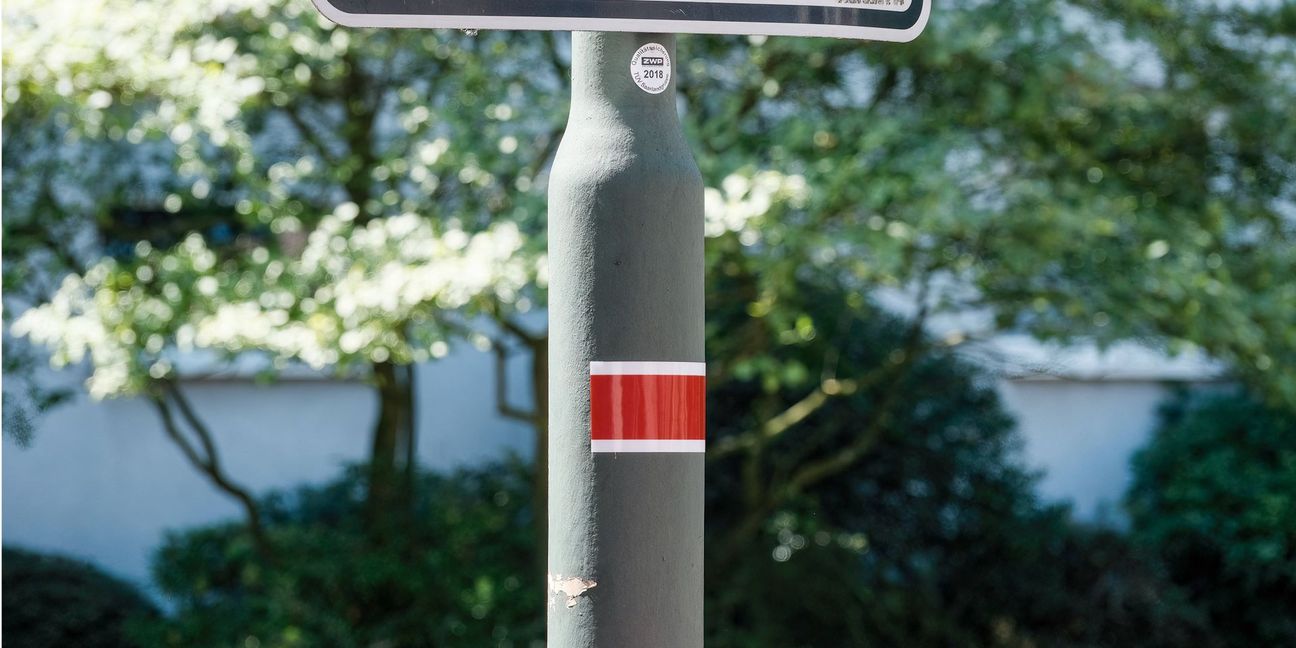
{"x":625,"y":255}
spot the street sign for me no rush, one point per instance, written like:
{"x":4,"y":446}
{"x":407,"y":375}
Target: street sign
{"x":626,"y":439}
{"x":886,"y":20}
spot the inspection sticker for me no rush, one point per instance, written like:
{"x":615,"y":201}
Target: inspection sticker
{"x":648,"y":407}
{"x":651,"y":68}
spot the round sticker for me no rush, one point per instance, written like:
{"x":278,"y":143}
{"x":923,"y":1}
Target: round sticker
{"x":651,"y":68}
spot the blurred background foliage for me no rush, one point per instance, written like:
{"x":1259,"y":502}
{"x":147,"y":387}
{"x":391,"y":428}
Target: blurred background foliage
{"x":51,"y":602}
{"x":877,"y":523}
{"x":244,"y":182}
{"x":463,"y":573}
{"x":936,"y":538}
{"x":1215,"y":495}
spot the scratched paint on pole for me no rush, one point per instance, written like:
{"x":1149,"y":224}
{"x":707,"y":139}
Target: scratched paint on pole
{"x":647,"y":407}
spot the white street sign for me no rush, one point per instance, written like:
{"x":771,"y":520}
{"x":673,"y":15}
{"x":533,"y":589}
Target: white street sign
{"x":886,"y":20}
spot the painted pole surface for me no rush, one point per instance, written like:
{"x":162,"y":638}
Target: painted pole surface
{"x":626,"y":272}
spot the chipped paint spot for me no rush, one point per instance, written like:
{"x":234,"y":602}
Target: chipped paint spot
{"x":572,"y":587}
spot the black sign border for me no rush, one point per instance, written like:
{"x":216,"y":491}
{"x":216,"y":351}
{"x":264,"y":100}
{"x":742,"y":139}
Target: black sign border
{"x":623,"y":15}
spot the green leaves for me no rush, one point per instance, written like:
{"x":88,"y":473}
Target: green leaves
{"x":462,"y":572}
{"x":396,"y":289}
{"x":1076,"y":170}
{"x":1071,"y":176}
{"x":1215,"y":495}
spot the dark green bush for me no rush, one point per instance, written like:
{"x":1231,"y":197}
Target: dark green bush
{"x":55,"y":602}
{"x":461,"y":572}
{"x":933,"y":538}
{"x":1214,"y":494}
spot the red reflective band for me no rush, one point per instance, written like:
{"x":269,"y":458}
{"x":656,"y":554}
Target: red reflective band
{"x":647,"y":407}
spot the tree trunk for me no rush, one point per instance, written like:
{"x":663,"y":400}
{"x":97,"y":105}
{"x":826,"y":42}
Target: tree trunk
{"x":392,"y":458}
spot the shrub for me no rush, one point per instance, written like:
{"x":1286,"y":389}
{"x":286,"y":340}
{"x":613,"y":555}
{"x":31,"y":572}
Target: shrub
{"x":933,"y":538}
{"x":56,"y":602}
{"x":462,"y":572}
{"x":1214,"y":495}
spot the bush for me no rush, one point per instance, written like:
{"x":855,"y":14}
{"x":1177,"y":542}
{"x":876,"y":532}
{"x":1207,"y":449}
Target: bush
{"x":1214,"y":495}
{"x":933,"y":538}
{"x":462,"y":572}
{"x":56,"y":602}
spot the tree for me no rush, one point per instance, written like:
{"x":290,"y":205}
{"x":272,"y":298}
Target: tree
{"x":322,"y":133}
{"x":1075,"y":170}
{"x":383,"y":294}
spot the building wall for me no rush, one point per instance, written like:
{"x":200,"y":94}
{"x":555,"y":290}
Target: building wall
{"x":1082,"y":435}
{"x":101,"y":482}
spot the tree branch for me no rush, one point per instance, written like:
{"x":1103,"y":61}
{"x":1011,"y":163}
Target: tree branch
{"x":173,"y":432}
{"x":310,"y":135}
{"x":816,"y":472}
{"x":199,"y":428}
{"x":515,"y":329}
{"x":812,"y":474}
{"x":829,"y":386}
{"x":208,"y":461}
{"x":828,"y":389}
{"x":501,"y":387}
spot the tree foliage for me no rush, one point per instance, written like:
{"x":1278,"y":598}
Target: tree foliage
{"x":303,"y":134}
{"x":1076,"y":170}
{"x":316,"y":148}
{"x":1104,"y":170}
{"x":353,"y":296}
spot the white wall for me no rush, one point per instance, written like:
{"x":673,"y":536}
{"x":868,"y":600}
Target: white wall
{"x":1082,"y":434}
{"x":101,"y":481}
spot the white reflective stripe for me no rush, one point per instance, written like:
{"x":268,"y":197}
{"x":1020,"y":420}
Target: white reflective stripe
{"x":647,"y":368}
{"x":647,"y":445}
